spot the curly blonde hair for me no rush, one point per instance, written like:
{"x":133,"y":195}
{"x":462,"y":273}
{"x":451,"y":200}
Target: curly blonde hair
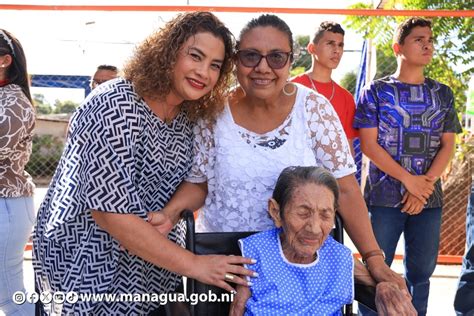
{"x":151,"y":67}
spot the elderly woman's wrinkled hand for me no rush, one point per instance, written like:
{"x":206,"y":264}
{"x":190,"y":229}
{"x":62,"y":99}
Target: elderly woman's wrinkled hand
{"x":391,"y":301}
{"x":237,"y":307}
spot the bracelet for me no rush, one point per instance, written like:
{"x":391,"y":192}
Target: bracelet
{"x":372,"y":253}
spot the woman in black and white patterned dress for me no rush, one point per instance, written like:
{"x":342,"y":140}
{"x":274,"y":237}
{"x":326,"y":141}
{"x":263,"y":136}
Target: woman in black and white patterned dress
{"x":128,"y":149}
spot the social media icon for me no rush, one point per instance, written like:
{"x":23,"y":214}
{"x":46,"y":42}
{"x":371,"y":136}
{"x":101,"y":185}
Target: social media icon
{"x":72,"y":297}
{"x":46,"y":297}
{"x":19,"y":297}
{"x":32,"y":297}
{"x":59,"y":297}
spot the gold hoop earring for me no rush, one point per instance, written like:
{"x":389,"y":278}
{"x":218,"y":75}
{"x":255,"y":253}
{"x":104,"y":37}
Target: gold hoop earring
{"x":242,"y":91}
{"x":289,"y":94}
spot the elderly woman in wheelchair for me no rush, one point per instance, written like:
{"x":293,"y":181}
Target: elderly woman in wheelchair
{"x":301,"y":269}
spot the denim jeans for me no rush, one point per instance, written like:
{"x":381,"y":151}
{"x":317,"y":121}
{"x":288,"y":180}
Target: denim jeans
{"x":464,"y":299}
{"x":421,"y":234}
{"x":16,"y":221}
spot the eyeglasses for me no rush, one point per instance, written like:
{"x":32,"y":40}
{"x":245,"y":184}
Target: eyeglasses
{"x":251,"y":58}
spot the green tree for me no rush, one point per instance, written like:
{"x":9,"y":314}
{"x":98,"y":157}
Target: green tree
{"x":349,"y":80}
{"x":67,"y":106}
{"x":41,"y":106}
{"x":302,"y":60}
{"x":454,"y":59}
{"x":386,"y":64}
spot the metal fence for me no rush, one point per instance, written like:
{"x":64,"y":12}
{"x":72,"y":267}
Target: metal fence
{"x":45,"y":155}
{"x":47,"y":148}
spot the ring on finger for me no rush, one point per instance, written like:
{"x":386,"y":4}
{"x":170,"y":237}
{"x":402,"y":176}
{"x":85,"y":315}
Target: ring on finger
{"x":228,"y":277}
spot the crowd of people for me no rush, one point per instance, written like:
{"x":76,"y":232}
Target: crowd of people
{"x":271,"y":154}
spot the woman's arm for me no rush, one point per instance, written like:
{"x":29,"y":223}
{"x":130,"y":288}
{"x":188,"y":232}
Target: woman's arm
{"x":143,"y":240}
{"x":188,"y":196}
{"x":332,"y":152}
{"x":237,"y":307}
{"x":357,"y":224}
{"x":389,"y":299}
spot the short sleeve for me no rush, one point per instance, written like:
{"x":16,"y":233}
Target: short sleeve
{"x":101,"y":154}
{"x":451,"y":123}
{"x":203,"y":152}
{"x":366,"y":112}
{"x":329,"y":142}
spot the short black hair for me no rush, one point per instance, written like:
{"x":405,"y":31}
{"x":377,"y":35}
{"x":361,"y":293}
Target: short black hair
{"x":404,"y":28}
{"x":267,"y":20}
{"x":329,"y":26}
{"x":107,"y":67}
{"x":17,"y":72}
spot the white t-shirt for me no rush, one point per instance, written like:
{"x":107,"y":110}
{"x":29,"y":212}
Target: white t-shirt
{"x":241,"y":167}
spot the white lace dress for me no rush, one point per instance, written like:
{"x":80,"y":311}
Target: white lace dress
{"x":241,"y":167}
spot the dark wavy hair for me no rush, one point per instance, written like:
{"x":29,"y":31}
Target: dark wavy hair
{"x":151,"y":67}
{"x":17,"y":72}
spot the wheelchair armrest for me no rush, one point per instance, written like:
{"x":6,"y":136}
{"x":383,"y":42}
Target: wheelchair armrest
{"x":365,"y":294}
{"x":188,"y":217}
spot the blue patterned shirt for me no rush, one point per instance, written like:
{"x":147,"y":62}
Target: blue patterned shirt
{"x":411,"y":118}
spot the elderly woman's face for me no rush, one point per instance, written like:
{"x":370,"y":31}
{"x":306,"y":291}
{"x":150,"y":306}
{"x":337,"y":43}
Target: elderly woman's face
{"x":307,"y":221}
{"x":263,"y":81}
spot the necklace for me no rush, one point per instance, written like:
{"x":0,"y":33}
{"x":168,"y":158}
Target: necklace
{"x":314,"y":87}
{"x":168,"y":114}
{"x":160,"y":109}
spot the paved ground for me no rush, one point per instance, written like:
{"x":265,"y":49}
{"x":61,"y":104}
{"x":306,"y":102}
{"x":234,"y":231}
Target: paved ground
{"x":443,"y":287}
{"x":443,"y":282}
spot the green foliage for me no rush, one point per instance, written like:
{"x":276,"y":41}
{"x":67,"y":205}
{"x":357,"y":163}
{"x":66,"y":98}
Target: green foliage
{"x":65,"y":106}
{"x":302,"y":40}
{"x":349,"y":81}
{"x":454,"y":41}
{"x":295,"y":71}
{"x":38,"y":98}
{"x":45,"y":154}
{"x":302,"y":61}
{"x":41,"y":106}
{"x":386,"y":64}
{"x":44,"y":109}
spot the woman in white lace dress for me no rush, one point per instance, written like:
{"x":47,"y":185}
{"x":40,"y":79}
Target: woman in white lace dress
{"x":267,"y":125}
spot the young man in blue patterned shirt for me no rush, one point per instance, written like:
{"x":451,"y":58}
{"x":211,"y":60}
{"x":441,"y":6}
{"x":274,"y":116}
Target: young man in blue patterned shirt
{"x":407,"y":125}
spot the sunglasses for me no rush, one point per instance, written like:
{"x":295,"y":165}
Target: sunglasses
{"x":251,"y":58}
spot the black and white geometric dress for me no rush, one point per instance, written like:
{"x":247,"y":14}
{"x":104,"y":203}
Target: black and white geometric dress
{"x":119,"y":158}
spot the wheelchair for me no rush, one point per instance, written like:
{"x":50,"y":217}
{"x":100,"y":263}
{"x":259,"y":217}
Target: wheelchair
{"x":225,"y":243}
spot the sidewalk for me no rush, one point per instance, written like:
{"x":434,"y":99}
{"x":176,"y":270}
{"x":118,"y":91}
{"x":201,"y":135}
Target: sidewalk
{"x":443,"y":286}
